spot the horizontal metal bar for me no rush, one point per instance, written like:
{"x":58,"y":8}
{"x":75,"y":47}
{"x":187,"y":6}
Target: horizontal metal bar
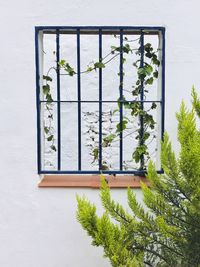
{"x":105,"y":29}
{"x":103,"y":101}
{"x":136,"y":172}
{"x":105,"y":32}
{"x":100,"y":27}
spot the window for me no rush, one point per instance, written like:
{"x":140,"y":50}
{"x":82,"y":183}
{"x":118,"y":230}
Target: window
{"x":100,"y":99}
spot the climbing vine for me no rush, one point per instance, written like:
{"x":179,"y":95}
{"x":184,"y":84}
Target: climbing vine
{"x":48,"y":127}
{"x":147,"y":74}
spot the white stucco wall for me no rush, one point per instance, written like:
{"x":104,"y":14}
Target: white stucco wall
{"x":38,"y":226}
{"x":90,"y":111}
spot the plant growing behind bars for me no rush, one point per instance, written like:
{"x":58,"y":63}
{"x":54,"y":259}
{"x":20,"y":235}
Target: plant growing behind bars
{"x":168,"y":232}
{"x":147,"y":73}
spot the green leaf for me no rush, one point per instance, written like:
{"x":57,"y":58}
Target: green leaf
{"x":123,"y":60}
{"x":46,"y":89}
{"x":126,"y":104}
{"x":49,"y":98}
{"x":95,"y":154}
{"x":148,"y":69}
{"x":110,"y":138}
{"x":141,"y":72}
{"x":148,"y":119}
{"x":89,"y":69}
{"x":46,"y":130}
{"x":121,"y":126}
{"x":148,"y":47}
{"x":155,"y":60}
{"x":62,"y":62}
{"x":138,"y":82}
{"x":50,"y":138}
{"x":139,"y":151}
{"x":66,"y":66}
{"x":135,"y":108}
{"x":146,"y":135}
{"x":148,"y":54}
{"x":47,"y":78}
{"x":69,"y":69}
{"x":114,"y":48}
{"x":126,"y":48}
{"x":153,"y":106}
{"x":99,"y":65}
{"x":121,"y":101}
{"x":53,"y":148}
{"x":155,"y":74}
{"x":136,"y":91}
{"x":149,"y":81}
{"x":104,"y":167}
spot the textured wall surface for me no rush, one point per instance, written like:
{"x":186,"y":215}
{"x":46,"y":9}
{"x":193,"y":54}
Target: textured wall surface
{"x":89,"y":84}
{"x":38,"y":226}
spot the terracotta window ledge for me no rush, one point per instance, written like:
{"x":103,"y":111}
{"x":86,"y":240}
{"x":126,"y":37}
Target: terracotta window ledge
{"x":91,"y":181}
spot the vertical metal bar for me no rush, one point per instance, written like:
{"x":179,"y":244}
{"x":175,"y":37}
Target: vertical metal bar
{"x":100,"y":101}
{"x":58,"y":99}
{"x":79,"y":97}
{"x":142,"y":98}
{"x":160,"y":96}
{"x":121,"y":98}
{"x":163,"y":85}
{"x":38,"y":101}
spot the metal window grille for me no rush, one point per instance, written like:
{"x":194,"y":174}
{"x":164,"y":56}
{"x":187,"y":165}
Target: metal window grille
{"x":100,"y":32}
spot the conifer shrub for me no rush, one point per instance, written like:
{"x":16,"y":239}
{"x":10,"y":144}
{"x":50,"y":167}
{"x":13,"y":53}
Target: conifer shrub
{"x":167,"y":231}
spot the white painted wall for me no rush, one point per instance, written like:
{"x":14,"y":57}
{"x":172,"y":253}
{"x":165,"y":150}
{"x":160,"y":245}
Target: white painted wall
{"x":38,"y":226}
{"x":90,"y":111}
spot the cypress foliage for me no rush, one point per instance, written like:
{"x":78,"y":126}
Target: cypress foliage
{"x":166,"y":233}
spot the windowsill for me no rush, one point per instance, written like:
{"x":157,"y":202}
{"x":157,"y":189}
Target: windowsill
{"x":91,"y":181}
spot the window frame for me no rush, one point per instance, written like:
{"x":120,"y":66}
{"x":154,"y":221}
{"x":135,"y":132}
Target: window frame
{"x":39,"y":30}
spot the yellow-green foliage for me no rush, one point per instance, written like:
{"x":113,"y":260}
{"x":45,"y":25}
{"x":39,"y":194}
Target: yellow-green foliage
{"x":107,"y":234}
{"x":167,"y":231}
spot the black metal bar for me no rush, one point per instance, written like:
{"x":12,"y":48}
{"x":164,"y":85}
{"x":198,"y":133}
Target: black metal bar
{"x":121,"y":104}
{"x":79,"y":97}
{"x":132,"y":172}
{"x":141,"y":140}
{"x":100,"y":101}
{"x":139,"y":28}
{"x":39,"y":167}
{"x":58,"y":100}
{"x":104,"y":32}
{"x":133,"y":30}
{"x":163,"y":86}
